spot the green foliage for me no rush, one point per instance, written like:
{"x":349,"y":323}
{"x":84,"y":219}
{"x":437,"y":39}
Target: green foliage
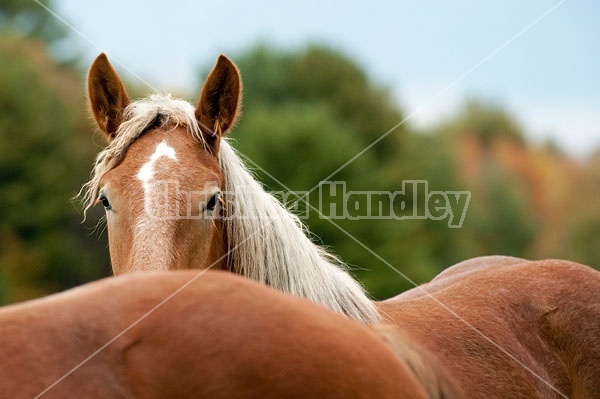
{"x":582,"y":238}
{"x":43,"y":160}
{"x":307,"y":113}
{"x":28,"y":18}
{"x":429,"y":157}
{"x":584,"y":241}
{"x":310,"y":112}
{"x":500,"y":219}
{"x":488,"y":122}
{"x":325,"y":78}
{"x":500,"y":222}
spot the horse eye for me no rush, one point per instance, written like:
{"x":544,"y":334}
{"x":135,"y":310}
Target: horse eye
{"x":105,"y":202}
{"x":212,"y":202}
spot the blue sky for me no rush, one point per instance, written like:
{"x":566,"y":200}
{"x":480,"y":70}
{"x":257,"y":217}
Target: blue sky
{"x":548,"y":76}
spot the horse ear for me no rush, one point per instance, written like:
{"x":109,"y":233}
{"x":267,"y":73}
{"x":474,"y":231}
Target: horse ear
{"x":107,"y":96}
{"x":219,"y":103}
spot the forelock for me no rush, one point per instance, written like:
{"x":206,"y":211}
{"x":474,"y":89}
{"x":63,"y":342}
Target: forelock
{"x":139,"y":116}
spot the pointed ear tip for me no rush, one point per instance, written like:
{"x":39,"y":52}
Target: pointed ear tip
{"x":101,"y":58}
{"x":226,"y":60}
{"x":100,"y":61}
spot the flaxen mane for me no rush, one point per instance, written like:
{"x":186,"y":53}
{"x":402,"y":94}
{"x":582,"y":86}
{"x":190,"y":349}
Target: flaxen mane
{"x":266,"y":241}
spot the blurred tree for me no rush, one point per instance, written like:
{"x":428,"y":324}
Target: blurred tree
{"x":500,"y":221}
{"x":309,"y":112}
{"x":44,"y":157}
{"x":583,"y":243}
{"x":488,"y":122}
{"x":581,"y":237}
{"x":324,"y":77}
{"x":28,"y":18}
{"x":496,"y":165}
{"x":430,"y":244}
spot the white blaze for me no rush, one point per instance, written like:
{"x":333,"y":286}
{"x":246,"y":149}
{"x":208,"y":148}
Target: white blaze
{"x":146,"y":172}
{"x":149,"y":250}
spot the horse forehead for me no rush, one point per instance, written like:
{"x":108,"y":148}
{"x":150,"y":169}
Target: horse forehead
{"x":162,"y":150}
{"x":174,"y":159}
{"x":167,"y":154}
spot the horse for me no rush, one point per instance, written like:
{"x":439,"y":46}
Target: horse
{"x":178,"y":196}
{"x":171,"y":335}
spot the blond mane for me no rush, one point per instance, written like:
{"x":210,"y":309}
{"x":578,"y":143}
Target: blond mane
{"x":266,"y":241}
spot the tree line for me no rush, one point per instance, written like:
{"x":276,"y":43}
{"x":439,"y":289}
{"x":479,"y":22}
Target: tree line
{"x":306,"y":113}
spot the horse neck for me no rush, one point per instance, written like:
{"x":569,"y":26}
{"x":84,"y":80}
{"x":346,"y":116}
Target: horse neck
{"x":269,"y":244}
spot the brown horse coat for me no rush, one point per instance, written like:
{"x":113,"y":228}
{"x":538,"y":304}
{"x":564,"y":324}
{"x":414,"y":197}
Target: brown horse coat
{"x":509,"y":328}
{"x":222,"y":336}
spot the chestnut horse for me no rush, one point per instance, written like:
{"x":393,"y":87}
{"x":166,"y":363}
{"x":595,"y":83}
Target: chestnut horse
{"x":178,"y":196}
{"x":172,"y":335}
